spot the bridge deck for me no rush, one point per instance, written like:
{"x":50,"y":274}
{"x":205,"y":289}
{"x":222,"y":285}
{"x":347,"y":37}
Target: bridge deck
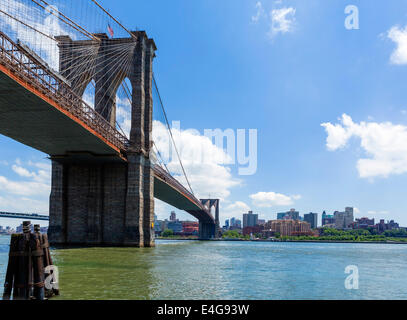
{"x":27,"y":117}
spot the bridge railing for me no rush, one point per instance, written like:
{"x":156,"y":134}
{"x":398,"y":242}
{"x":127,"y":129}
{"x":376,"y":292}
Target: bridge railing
{"x":29,"y":69}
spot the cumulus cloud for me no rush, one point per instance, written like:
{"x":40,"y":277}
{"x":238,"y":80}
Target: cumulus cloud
{"x":282,"y":21}
{"x":399,"y":36}
{"x":204,"y":162}
{"x":385,"y":145}
{"x":235,"y":208}
{"x":272,"y":199}
{"x":31,"y":192}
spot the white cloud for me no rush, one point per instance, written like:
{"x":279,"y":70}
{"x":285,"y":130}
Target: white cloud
{"x":237,"y":207}
{"x":282,"y":21}
{"x":399,"y":36}
{"x":30,"y":194}
{"x":384,"y":143}
{"x":24,"y":188}
{"x":271,"y":199}
{"x":23,"y":205}
{"x":259,"y":13}
{"x":204,"y":162}
{"x":233,"y":210}
{"x":373,"y":212}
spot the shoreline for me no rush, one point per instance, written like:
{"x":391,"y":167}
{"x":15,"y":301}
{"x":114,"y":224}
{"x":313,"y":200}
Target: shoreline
{"x":296,"y":241}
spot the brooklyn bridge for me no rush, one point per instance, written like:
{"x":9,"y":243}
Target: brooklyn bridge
{"x":103,"y":182}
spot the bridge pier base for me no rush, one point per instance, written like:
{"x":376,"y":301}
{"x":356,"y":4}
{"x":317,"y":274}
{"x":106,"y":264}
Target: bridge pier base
{"x":102,"y":204}
{"x":206,"y":231}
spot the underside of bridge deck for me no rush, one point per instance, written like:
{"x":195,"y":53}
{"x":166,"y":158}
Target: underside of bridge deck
{"x":28,"y":118}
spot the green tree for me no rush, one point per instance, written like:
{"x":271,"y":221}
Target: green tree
{"x":231,"y":234}
{"x":167,"y":233}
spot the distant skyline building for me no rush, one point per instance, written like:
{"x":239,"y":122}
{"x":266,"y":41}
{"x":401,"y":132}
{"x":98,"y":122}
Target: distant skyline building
{"x":289,"y":215}
{"x":227,"y":224}
{"x":261,"y":222}
{"x":235,"y":223}
{"x":343,"y":220}
{"x":289,"y":227}
{"x":250,"y":219}
{"x":173,"y":216}
{"x":175,"y":226}
{"x":327,"y":219}
{"x":312,"y":219}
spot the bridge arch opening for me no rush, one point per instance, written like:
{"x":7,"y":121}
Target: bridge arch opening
{"x":88,"y":93}
{"x":124,"y":94}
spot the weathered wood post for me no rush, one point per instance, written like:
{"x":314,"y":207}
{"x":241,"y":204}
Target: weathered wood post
{"x":29,"y":255}
{"x":38,"y":264}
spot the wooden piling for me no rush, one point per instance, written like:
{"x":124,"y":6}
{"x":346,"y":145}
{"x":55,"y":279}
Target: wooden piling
{"x":11,"y":268}
{"x":38,"y":264}
{"x":29,"y":255}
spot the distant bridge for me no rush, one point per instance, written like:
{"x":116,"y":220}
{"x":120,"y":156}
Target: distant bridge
{"x":29,"y":216}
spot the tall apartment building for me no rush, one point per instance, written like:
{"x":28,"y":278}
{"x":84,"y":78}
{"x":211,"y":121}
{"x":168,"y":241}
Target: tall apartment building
{"x":250,"y":219}
{"x":312,"y":219}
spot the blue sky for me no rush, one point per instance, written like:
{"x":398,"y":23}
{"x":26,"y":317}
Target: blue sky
{"x":283,"y":68}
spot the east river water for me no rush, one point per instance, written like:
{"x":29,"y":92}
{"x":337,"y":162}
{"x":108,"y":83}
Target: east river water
{"x":229,"y":270}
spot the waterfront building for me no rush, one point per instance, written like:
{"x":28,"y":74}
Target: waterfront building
{"x":173,"y":216}
{"x":390,"y":225}
{"x":190,"y":227}
{"x":175,"y":226}
{"x":250,"y":219}
{"x":312,"y":219}
{"x":363,"y":223}
{"x":253,"y":230}
{"x":289,"y":227}
{"x":227,"y":224}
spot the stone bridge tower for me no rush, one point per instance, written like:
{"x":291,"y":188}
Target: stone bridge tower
{"x":206,"y":230}
{"x":105,"y":202}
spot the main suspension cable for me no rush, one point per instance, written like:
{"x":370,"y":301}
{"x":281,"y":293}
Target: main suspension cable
{"x":172,"y":137}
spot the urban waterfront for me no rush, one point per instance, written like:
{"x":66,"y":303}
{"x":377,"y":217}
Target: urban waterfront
{"x":228,"y":270}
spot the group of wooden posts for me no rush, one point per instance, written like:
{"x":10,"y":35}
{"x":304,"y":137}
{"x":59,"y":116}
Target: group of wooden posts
{"x":28,"y":260}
